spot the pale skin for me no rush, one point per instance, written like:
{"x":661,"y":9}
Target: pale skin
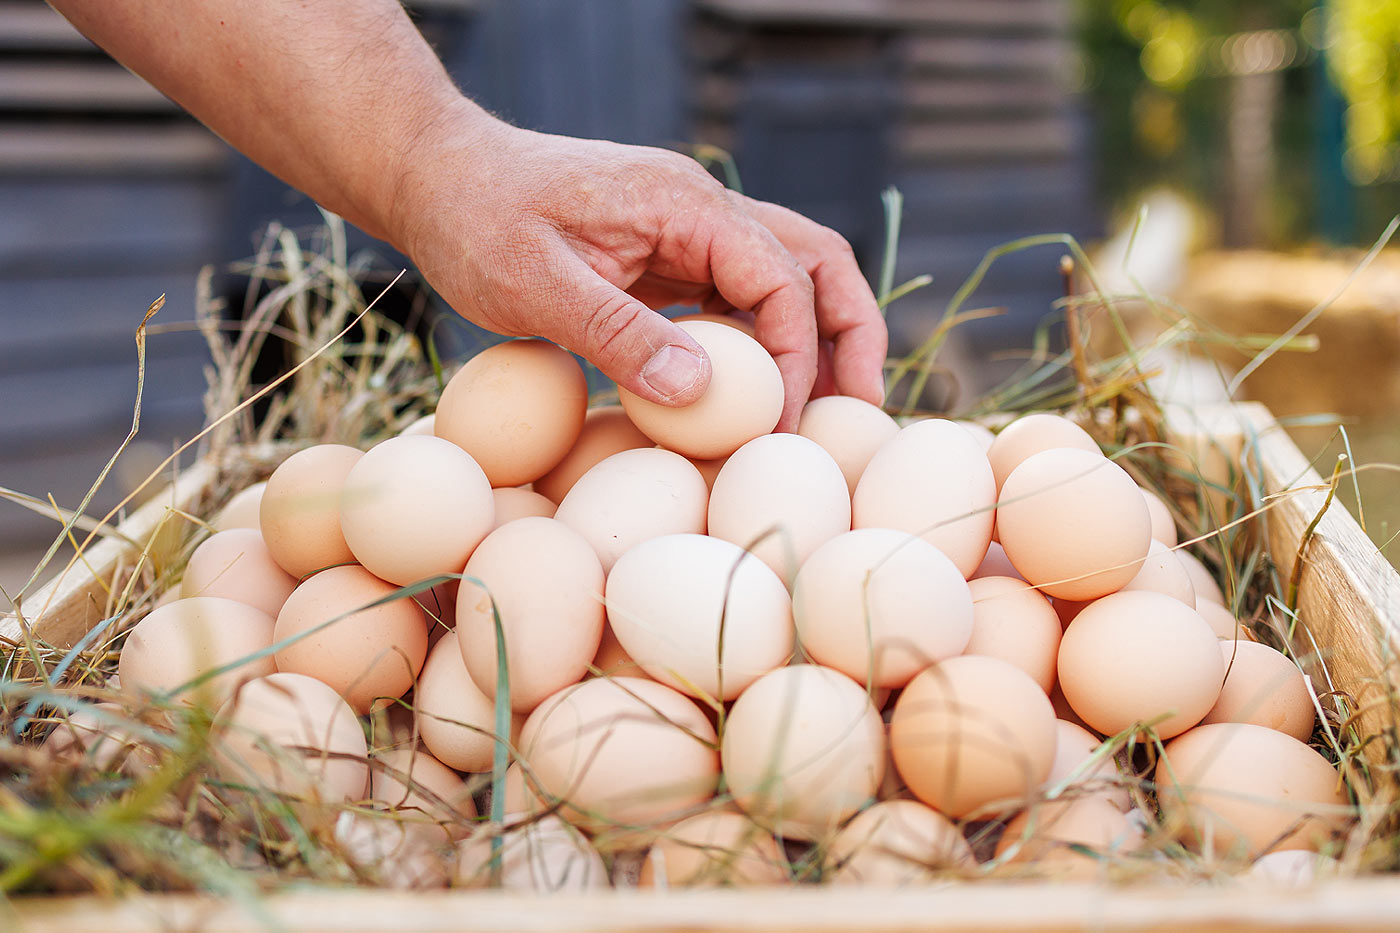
{"x":524,"y":233}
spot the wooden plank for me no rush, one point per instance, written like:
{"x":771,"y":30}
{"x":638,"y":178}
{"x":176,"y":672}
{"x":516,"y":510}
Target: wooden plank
{"x":978,"y":907}
{"x":987,"y":55}
{"x":83,"y":86}
{"x":150,"y":150}
{"x":1018,"y":15}
{"x":996,"y":141}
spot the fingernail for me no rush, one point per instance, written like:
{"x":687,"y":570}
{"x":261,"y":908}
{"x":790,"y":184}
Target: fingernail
{"x":672,"y":370}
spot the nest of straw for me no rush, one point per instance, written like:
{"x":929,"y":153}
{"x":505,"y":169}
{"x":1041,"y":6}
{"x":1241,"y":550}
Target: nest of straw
{"x":141,"y":808}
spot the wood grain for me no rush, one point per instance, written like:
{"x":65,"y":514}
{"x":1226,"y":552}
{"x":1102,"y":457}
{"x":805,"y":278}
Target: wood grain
{"x":1354,"y":906}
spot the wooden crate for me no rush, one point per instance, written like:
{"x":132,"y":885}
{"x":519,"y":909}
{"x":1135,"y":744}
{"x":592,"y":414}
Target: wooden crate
{"x":1349,"y":602}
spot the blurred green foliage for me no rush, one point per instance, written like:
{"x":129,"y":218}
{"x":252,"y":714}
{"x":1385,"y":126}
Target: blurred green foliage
{"x":1159,"y":75}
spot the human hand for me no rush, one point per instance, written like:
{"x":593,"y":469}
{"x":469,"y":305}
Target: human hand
{"x":578,"y":241}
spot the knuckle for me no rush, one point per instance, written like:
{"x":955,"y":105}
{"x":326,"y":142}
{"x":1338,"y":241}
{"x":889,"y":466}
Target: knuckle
{"x":608,"y":321}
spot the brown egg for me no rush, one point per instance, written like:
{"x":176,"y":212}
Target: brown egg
{"x":897,"y":843}
{"x":1163,"y":525}
{"x":1031,"y":434}
{"x":242,"y":511}
{"x":1237,"y":789}
{"x":545,"y":582}
{"x":1074,"y":523}
{"x":1291,"y":868}
{"x":544,"y":856}
{"x":634,"y":496}
{"x":780,"y":497}
{"x":418,"y":786}
{"x":980,"y":433}
{"x":931,"y":479}
{"x":415,"y":507}
{"x":512,"y":502}
{"x":1054,"y":836}
{"x":1264,"y":687}
{"x":1011,"y":620}
{"x":1162,"y":573}
{"x":973,"y":735}
{"x":366,"y":652}
{"x":191,"y":638}
{"x":103,"y":736}
{"x":743,"y":400}
{"x":803,"y":749}
{"x":1082,"y":766}
{"x":709,"y":469}
{"x":849,"y":429}
{"x":606,"y":431}
{"x":521,"y":796}
{"x":1221,"y":620}
{"x":237,"y":565}
{"x":880,"y":605}
{"x":587,"y":745}
{"x":1140,"y":658}
{"x":713,"y":849}
{"x":996,"y":564}
{"x":294,"y":735}
{"x":456,"y":720}
{"x":300,"y":512}
{"x":1202,"y":581}
{"x":612,"y":658}
{"x":516,"y":407}
{"x":668,"y":597}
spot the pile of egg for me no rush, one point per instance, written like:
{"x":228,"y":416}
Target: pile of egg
{"x":721,"y":641}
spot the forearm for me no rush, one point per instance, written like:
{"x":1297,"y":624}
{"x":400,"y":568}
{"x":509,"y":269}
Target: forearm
{"x":329,"y":95}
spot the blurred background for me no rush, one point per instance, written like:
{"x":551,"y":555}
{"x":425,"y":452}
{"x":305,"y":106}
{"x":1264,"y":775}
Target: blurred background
{"x":1264,"y":136}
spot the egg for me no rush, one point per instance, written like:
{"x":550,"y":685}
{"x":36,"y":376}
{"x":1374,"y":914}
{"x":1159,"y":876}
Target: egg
{"x":780,"y":497}
{"x":973,"y":735}
{"x":1078,"y":839}
{"x":1221,"y":620}
{"x":1081,"y":766}
{"x":1262,"y":686}
{"x":512,"y":502}
{"x":1140,"y":657}
{"x":1202,"y":581}
{"x":881,"y":605}
{"x":1291,"y":868}
{"x":803,"y":749}
{"x":102,"y":736}
{"x":897,"y":843}
{"x":743,"y":400}
{"x":606,"y":431}
{"x":634,"y":496}
{"x":415,"y":507}
{"x":422,"y":426}
{"x":1011,"y":620}
{"x":413,"y":783}
{"x":1031,"y":434}
{"x":546,"y":584}
{"x":980,"y":433}
{"x":393,"y":852}
{"x":612,"y":659}
{"x":700,"y":614}
{"x":718,"y":847}
{"x":996,"y":564}
{"x":1163,"y":525}
{"x":621,"y":752}
{"x":1074,"y":523}
{"x":849,"y":429}
{"x":709,"y":469}
{"x":241,"y":511}
{"x":300,"y":511}
{"x":237,"y":565}
{"x":516,"y":407}
{"x":191,"y":638}
{"x":1239,"y":789}
{"x":294,"y":735}
{"x":456,"y":721}
{"x":1161,"y":572}
{"x":728,"y":320}
{"x":931,"y":479}
{"x":544,"y":856}
{"x":344,"y":627}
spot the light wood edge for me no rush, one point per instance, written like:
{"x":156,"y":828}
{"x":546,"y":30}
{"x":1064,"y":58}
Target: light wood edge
{"x":1348,"y":595}
{"x":985,"y":907}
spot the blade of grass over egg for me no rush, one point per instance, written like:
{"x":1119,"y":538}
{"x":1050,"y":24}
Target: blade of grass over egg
{"x":500,"y":758}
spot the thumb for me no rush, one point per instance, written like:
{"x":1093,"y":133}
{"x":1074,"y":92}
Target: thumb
{"x":630,"y":343}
